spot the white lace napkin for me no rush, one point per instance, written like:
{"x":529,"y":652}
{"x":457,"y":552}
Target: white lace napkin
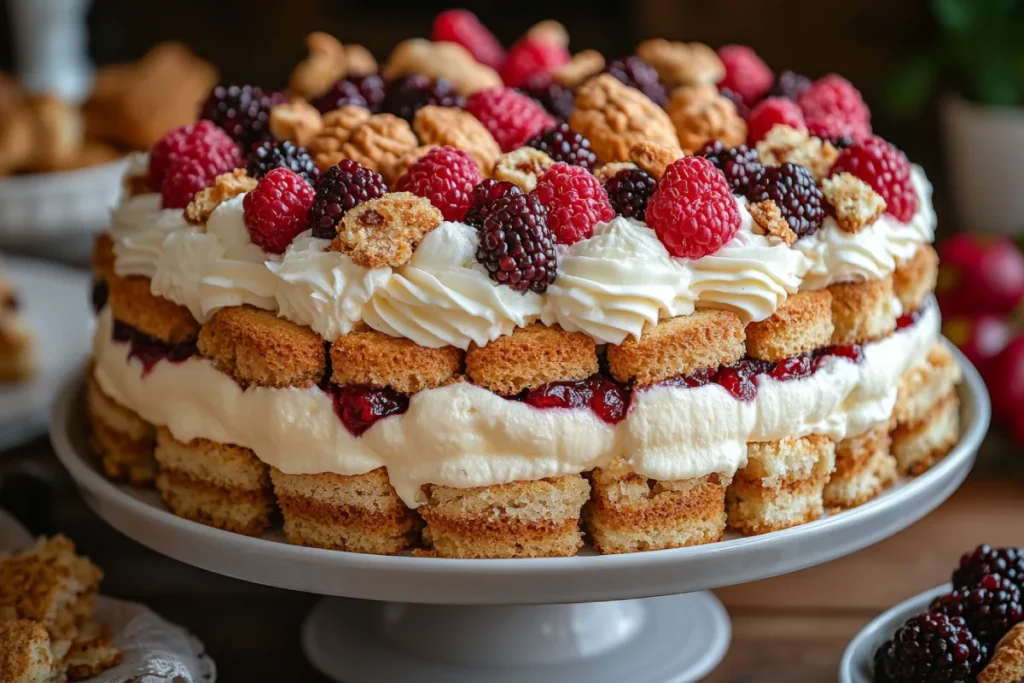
{"x":155,"y":650}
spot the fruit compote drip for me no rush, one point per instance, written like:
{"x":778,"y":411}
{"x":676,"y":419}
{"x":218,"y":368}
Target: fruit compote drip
{"x":150,"y":350}
{"x":910,"y":318}
{"x":609,"y":400}
{"x":360,"y":406}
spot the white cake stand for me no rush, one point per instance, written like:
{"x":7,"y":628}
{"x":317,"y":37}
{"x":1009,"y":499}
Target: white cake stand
{"x":587,"y":618}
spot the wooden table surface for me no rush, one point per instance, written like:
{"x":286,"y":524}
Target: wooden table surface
{"x":790,"y":628}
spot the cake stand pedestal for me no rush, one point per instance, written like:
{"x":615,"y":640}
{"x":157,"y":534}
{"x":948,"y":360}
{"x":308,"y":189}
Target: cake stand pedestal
{"x":594,"y":618}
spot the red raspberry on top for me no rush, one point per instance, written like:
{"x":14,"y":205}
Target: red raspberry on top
{"x":833,"y":109}
{"x":197,"y":140}
{"x":463,"y":27}
{"x":575,"y":201}
{"x":446,"y":176}
{"x":276,"y":211}
{"x":768,"y":114}
{"x":745,"y":73}
{"x":886,"y":170}
{"x":510,"y":116}
{"x":693,"y":210}
{"x":531,"y":57}
{"x":185,"y":177}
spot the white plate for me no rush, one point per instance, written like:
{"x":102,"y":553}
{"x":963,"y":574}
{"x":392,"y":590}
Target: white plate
{"x":55,"y":301}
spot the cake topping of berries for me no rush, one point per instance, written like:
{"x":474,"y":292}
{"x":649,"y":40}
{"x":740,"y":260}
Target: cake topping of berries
{"x":445,"y":176}
{"x":770,"y":113}
{"x":609,"y":400}
{"x":794,"y":191}
{"x":745,"y":73}
{"x":342,"y":187}
{"x":991,"y":608}
{"x":366,"y":91}
{"x":202,"y":140}
{"x":552,"y":95}
{"x":406,"y":95}
{"x":629,"y":190}
{"x":931,"y":648}
{"x":516,"y":245}
{"x":463,"y":27}
{"x":637,"y":73}
{"x":742,"y":109}
{"x":510,"y":116}
{"x":532,"y":56}
{"x":483,"y":196}
{"x":575,"y":202}
{"x":243,"y":111}
{"x":276,"y":211}
{"x":739,"y":164}
{"x":886,"y":170}
{"x":562,"y":143}
{"x":360,"y":406}
{"x":1007,"y":562}
{"x":833,"y":108}
{"x":693,"y":210}
{"x":789,"y":84}
{"x":266,"y":156}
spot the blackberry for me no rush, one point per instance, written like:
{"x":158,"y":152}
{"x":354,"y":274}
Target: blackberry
{"x":741,"y":107}
{"x":794,"y":191}
{"x":990,"y":609}
{"x":242,"y":110}
{"x":100,"y":295}
{"x":878,"y":667}
{"x":483,"y":195}
{"x":931,"y":648}
{"x":408,"y":94}
{"x":516,"y":245}
{"x":789,"y":84}
{"x":362,"y":91}
{"x":1007,"y":562}
{"x":562,"y":143}
{"x":559,"y":100}
{"x":266,"y":156}
{"x":342,"y":187}
{"x":740,"y":164}
{"x":843,"y":142}
{"x":628,"y":191}
{"x":636,"y":73}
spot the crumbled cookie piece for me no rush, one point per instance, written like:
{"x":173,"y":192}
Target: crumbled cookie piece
{"x":522,"y":167}
{"x":582,"y":66}
{"x":653,"y":158}
{"x":359,"y":61}
{"x":58,"y":132}
{"x":614,"y":117}
{"x":297,"y":121}
{"x":399,"y":168}
{"x":386,"y":231}
{"x":375,"y":141}
{"x":1007,"y":663}
{"x":785,"y":144}
{"x":449,"y":61}
{"x":549,"y":31}
{"x":457,"y":128}
{"x":324,"y":65}
{"x":855,"y":203}
{"x":700,"y":114}
{"x":225,"y":186}
{"x":337,"y":128}
{"x":769,"y":218}
{"x":682,"y":63}
{"x":605,"y":172}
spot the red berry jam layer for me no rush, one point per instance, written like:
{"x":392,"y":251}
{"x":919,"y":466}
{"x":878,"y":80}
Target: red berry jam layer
{"x":911,"y":317}
{"x":360,"y":406}
{"x":609,"y":400}
{"x":150,"y":350}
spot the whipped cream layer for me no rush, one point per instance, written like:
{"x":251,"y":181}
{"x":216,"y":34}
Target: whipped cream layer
{"x":465,"y":436}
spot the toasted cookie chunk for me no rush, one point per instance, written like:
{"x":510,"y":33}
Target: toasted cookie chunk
{"x":133,"y":304}
{"x":1007,"y":664}
{"x":529,"y":357}
{"x":863,"y":311}
{"x":803,"y":323}
{"x":864,"y":468}
{"x":706,"y":339}
{"x":25,"y":653}
{"x":371,"y":357}
{"x":914,"y":279}
{"x":385,"y":231}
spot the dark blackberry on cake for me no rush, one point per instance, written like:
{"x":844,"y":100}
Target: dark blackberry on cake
{"x":562,"y":143}
{"x":266,"y":156}
{"x":242,"y":110}
{"x":740,"y":164}
{"x":795,"y":192}
{"x":516,"y":245}
{"x":342,"y":187}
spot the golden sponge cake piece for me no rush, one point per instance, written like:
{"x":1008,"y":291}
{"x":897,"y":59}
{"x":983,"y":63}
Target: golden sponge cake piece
{"x":926,"y":383}
{"x":1007,"y":663}
{"x":914,"y":279}
{"x":863,"y":312}
{"x":92,"y":652}
{"x":133,"y":304}
{"x":782,"y":484}
{"x":802,"y":324}
{"x":918,"y":445}
{"x":123,"y":440}
{"x":519,"y":519}
{"x":359,"y":513}
{"x":371,"y":357}
{"x":26,"y":655}
{"x":257,"y":347}
{"x":864,"y":468}
{"x":529,"y":357}
{"x":680,"y":346}
{"x":220,"y":485}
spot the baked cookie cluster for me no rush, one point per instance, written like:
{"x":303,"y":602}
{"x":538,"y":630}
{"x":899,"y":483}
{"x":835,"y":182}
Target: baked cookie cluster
{"x":479,"y":303}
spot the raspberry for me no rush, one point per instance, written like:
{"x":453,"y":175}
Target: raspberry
{"x":462,"y":27}
{"x":789,"y":84}
{"x":572,"y":394}
{"x":833,"y":108}
{"x":341,"y":188}
{"x":516,"y":245}
{"x":184,"y":178}
{"x":636,"y":73}
{"x":738,"y":379}
{"x":885,"y":169}
{"x":629,"y":190}
{"x":406,"y":95}
{"x":575,"y":201}
{"x":483,"y":196}
{"x":745,"y":73}
{"x":562,"y":143}
{"x":770,"y":113}
{"x":693,"y":210}
{"x":795,"y":192}
{"x":1007,"y":562}
{"x":276,"y":211}
{"x":362,"y":91}
{"x":360,"y":406}
{"x":511,"y":117}
{"x":555,"y":97}
{"x":531,"y":57}
{"x":445,"y":176}
{"x":741,"y":107}
{"x":266,"y":156}
{"x":739,"y":164}
{"x":241,"y":110}
{"x":202,"y":139}
{"x":990,"y":609}
{"x":931,"y":648}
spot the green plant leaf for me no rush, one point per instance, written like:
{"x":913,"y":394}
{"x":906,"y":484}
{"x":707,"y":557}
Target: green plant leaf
{"x":910,"y":85}
{"x":956,"y":16}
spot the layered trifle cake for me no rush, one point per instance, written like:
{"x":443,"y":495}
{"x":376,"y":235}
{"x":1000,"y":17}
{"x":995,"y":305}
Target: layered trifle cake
{"x":485,"y":304}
